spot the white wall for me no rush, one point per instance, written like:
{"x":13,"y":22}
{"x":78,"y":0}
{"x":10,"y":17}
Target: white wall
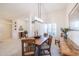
{"x":5,"y":29}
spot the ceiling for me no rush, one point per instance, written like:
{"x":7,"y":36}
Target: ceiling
{"x":17,"y":10}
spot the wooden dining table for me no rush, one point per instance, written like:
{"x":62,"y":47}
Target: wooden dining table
{"x":38,"y":43}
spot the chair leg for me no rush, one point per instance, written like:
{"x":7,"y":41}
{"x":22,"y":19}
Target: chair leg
{"x":43,"y":52}
{"x":50,"y":53}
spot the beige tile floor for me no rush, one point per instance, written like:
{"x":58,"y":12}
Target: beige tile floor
{"x":13,"y":48}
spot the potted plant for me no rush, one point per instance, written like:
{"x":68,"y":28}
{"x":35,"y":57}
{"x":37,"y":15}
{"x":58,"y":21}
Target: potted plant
{"x":26,"y":33}
{"x":65,"y":30}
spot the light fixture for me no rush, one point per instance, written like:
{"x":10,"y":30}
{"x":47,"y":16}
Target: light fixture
{"x":38,"y":19}
{"x":39,"y":10}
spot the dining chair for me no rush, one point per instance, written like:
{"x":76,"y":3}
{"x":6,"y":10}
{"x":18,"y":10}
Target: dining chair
{"x":28,"y":47}
{"x":46,"y":47}
{"x":22,"y":35}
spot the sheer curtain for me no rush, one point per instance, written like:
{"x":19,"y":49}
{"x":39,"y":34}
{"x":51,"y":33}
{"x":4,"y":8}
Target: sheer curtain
{"x":42,"y":28}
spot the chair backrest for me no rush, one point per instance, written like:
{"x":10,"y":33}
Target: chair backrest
{"x":45,"y":34}
{"x":28,"y":46}
{"x":49,"y":40}
{"x":22,"y":34}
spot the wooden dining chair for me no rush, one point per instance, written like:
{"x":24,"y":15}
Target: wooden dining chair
{"x":46,"y":48}
{"x":28,"y":47}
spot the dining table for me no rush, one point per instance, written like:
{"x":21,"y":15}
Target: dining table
{"x":38,"y":43}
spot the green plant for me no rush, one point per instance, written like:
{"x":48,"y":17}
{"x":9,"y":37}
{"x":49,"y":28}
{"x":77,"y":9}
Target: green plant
{"x":26,"y":32}
{"x":65,"y":30}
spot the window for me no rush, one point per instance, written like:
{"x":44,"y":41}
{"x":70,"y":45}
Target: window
{"x":50,"y":29}
{"x":75,"y":25}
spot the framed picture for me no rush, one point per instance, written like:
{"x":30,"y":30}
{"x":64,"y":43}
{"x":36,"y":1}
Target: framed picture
{"x":74,"y":18}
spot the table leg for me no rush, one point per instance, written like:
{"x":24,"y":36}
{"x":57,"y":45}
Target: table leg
{"x":38,"y":51}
